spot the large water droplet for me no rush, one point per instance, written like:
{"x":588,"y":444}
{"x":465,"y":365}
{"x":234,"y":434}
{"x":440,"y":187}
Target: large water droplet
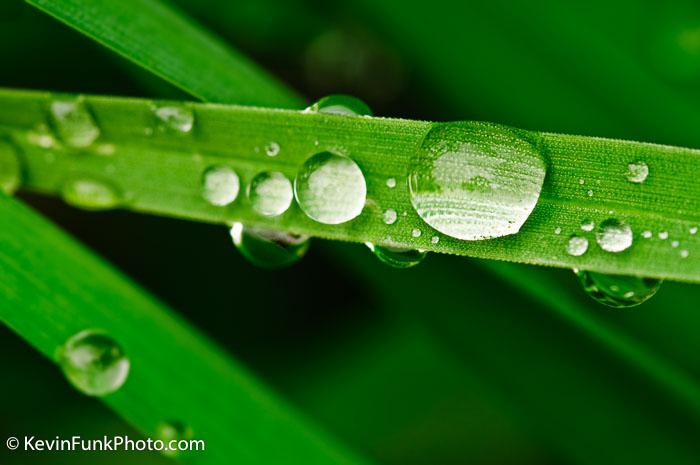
{"x":173,"y":431}
{"x":270,"y":193}
{"x":577,"y":246}
{"x":74,"y":122}
{"x":175,"y":118}
{"x":330,"y":188}
{"x":10,"y":168}
{"x":614,"y":236}
{"x":220,"y":185}
{"x":269,"y":249}
{"x":94,"y":363}
{"x":91,"y":194}
{"x":637,"y":172}
{"x":618,"y":291}
{"x":397,"y":257}
{"x":475,"y":181}
{"x":341,"y":104}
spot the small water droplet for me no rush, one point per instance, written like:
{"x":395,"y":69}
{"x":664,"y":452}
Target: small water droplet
{"x":175,"y":118}
{"x":474,"y":181}
{"x":587,"y":225}
{"x":614,"y":236}
{"x":693,"y":231}
{"x":330,"y":188}
{"x":391,"y":183}
{"x":684,"y":253}
{"x":435,"y":239}
{"x":416,"y":232}
{"x":269,"y":249}
{"x":272,"y":149}
{"x":341,"y":104}
{"x":220,"y":185}
{"x":675,"y":244}
{"x":270,"y":193}
{"x":577,"y":246}
{"x":390,"y":216}
{"x":94,"y":363}
{"x":397,"y":257}
{"x":169,"y":431}
{"x":91,"y":194}
{"x":41,"y":136}
{"x":10,"y":168}
{"x":74,"y":122}
{"x":637,"y":172}
{"x":582,"y":181}
{"x":590,"y":192}
{"x":618,"y":291}
{"x":646,"y":234}
{"x":557,"y":230}
{"x":663,"y":235}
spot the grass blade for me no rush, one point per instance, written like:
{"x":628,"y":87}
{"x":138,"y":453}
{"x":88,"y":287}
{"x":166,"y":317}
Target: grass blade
{"x":155,"y":36}
{"x":177,"y":374}
{"x":669,"y":201}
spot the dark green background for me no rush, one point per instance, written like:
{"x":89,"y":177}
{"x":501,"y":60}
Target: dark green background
{"x":447,"y":363}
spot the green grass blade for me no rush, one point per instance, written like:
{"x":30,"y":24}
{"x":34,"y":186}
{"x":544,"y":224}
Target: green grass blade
{"x":668,"y":201}
{"x":155,"y":36}
{"x":52,"y":288}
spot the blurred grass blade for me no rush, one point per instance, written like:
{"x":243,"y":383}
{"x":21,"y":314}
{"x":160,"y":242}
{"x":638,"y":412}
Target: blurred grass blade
{"x":138,"y":150}
{"x":157,"y":37}
{"x":51,"y":288}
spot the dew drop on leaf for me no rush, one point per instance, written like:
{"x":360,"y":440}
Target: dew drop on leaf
{"x":91,"y":194}
{"x":267,"y":248}
{"x":175,"y":118}
{"x":74,"y":123}
{"x":474,"y":181}
{"x":618,"y":291}
{"x":220,"y":185}
{"x":614,"y":236}
{"x":587,"y":225}
{"x":94,"y":363}
{"x":637,"y":172}
{"x":340,"y":104}
{"x":10,"y":168}
{"x":397,"y":257}
{"x":646,"y":234}
{"x":663,"y":235}
{"x":577,"y":246}
{"x":389,"y":216}
{"x":391,"y":183}
{"x":693,"y":230}
{"x":416,"y":232}
{"x":330,"y":188}
{"x":270,"y":193}
{"x":272,"y":149}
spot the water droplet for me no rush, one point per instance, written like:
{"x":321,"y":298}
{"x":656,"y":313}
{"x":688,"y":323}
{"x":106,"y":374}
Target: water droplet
{"x":74,"y":122}
{"x":637,"y":172}
{"x":587,"y":225}
{"x":693,"y":231}
{"x":91,"y":194}
{"x":663,"y":235}
{"x":475,"y":181}
{"x":220,"y":185}
{"x":94,"y":363}
{"x":557,"y":230}
{"x":684,"y":253}
{"x":269,"y":249}
{"x":618,"y":291}
{"x":41,"y":136}
{"x":270,"y":193}
{"x":590,"y":192}
{"x":173,"y":431}
{"x":582,"y":181}
{"x":391,"y":183}
{"x":577,"y":246}
{"x":397,"y":257}
{"x":341,"y":104}
{"x":435,"y":239}
{"x":646,"y":234}
{"x":272,"y":149}
{"x":416,"y":232}
{"x":10,"y":168}
{"x":614,"y":236}
{"x":675,"y":244}
{"x":175,"y":118}
{"x":390,"y":216}
{"x":330,"y":188}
